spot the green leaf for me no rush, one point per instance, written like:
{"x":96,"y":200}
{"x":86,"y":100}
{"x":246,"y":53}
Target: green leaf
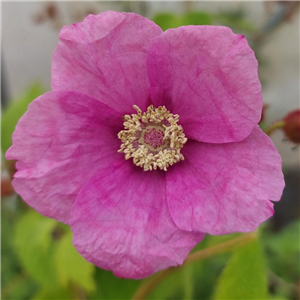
{"x":71,"y":266}
{"x":10,"y":264}
{"x":172,"y":287}
{"x":236,"y":20}
{"x":21,"y":288}
{"x":14,"y":112}
{"x":244,"y":277}
{"x":283,"y":250}
{"x":167,"y":20}
{"x":53,"y":294}
{"x":285,"y":241}
{"x":188,"y":283}
{"x":110,"y":287}
{"x":34,"y":246}
{"x":218,"y":239}
{"x":196,"y":18}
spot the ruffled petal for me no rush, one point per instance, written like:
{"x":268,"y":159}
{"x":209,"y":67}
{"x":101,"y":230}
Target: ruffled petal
{"x":121,"y":222}
{"x":60,"y":142}
{"x":105,"y":57}
{"x":208,"y":76}
{"x":225,"y":188}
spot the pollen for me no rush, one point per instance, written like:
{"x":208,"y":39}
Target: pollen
{"x":153,"y":139}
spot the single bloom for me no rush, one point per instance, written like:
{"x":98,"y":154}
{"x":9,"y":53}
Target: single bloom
{"x":148,"y":141}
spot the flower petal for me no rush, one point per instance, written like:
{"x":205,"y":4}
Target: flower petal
{"x":225,"y":188}
{"x":105,"y":57}
{"x":208,"y":76}
{"x":121,"y":222}
{"x":60,"y":142}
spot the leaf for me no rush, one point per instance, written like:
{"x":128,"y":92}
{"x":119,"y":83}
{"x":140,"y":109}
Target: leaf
{"x":283,"y":249}
{"x":10,"y":264}
{"x":205,"y":273}
{"x":110,"y":287}
{"x":196,"y":18}
{"x":236,"y":20}
{"x":34,"y":246}
{"x":218,"y":239}
{"x":20,"y":288}
{"x":167,"y":20}
{"x":244,"y":277}
{"x":53,"y":294}
{"x":188,"y":283}
{"x":285,"y":242}
{"x":14,"y":112}
{"x":173,"y":286}
{"x":71,"y":266}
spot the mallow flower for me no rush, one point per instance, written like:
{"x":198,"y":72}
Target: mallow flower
{"x":148,"y":141}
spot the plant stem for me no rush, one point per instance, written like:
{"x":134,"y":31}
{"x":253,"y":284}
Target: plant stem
{"x":147,"y":286}
{"x":275,"y":126}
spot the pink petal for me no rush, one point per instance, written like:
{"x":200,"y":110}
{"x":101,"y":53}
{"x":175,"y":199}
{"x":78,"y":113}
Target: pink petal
{"x":208,"y":76}
{"x":60,"y":142}
{"x":105,"y":57}
{"x":224,"y":188}
{"x":121,"y":222}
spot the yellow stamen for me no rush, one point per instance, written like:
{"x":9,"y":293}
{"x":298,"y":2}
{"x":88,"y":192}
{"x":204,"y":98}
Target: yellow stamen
{"x":142,"y":138}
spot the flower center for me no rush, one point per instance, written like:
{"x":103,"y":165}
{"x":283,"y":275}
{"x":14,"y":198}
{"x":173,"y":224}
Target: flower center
{"x":153,"y":138}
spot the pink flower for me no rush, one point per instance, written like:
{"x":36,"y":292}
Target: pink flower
{"x":197,"y":101}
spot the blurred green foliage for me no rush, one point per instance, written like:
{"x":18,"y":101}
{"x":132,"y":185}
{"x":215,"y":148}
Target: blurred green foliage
{"x":168,"y":20}
{"x":244,"y":274}
{"x":283,"y":250}
{"x":112,"y":287}
{"x":45,"y":254}
{"x":35,"y":228}
{"x":236,"y":20}
{"x":40,"y":262}
{"x":14,"y":112}
{"x":71,"y":266}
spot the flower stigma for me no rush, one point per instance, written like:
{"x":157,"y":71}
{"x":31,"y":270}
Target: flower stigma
{"x":153,"y":138}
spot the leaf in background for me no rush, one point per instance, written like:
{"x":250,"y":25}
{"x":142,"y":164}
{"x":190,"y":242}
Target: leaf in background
{"x":14,"y":112}
{"x":71,"y":266}
{"x":196,"y":18}
{"x":172,"y":287}
{"x":110,"y":287}
{"x":244,"y":277}
{"x":20,"y":288}
{"x":53,"y":294}
{"x":188,"y":283}
{"x":236,"y":20}
{"x":218,"y":239}
{"x":283,"y":249}
{"x":34,"y":246}
{"x":167,"y":20}
{"x":10,"y":264}
{"x":205,"y":272}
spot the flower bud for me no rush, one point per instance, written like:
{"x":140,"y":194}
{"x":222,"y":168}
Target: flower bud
{"x":6,"y":187}
{"x":291,"y":126}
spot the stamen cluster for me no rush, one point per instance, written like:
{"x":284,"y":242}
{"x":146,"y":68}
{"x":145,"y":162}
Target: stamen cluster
{"x":161,"y":153}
